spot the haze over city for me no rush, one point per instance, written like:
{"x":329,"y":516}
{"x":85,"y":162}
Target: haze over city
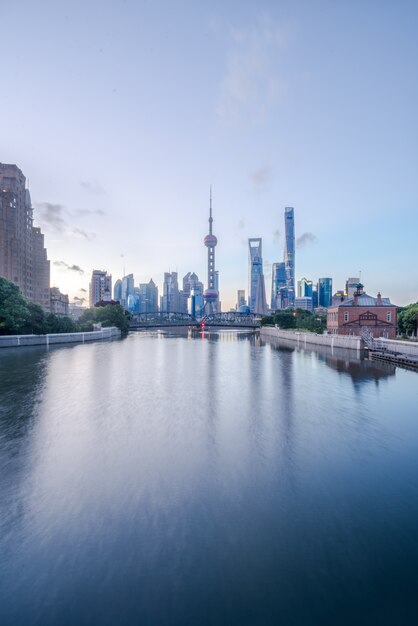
{"x":123,"y":114}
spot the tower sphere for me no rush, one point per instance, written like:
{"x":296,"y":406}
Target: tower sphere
{"x":210,"y":241}
{"x":210,"y":294}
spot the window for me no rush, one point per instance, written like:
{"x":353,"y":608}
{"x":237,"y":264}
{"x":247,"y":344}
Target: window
{"x":346,"y":316}
{"x":388,"y":316}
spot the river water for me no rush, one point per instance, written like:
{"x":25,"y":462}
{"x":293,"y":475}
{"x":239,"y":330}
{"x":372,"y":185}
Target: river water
{"x":171,"y":479}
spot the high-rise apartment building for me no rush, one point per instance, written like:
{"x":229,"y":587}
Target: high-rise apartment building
{"x":23,"y":257}
{"x":255,"y":269}
{"x":324,"y":292}
{"x":278,"y":281}
{"x":100,"y":288}
{"x":289,"y":252}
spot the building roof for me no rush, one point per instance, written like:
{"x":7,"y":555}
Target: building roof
{"x":365,"y":300}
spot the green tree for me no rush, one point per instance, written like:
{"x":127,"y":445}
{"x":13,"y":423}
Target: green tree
{"x":110,"y":315}
{"x":14,"y":312}
{"x":407,"y":319}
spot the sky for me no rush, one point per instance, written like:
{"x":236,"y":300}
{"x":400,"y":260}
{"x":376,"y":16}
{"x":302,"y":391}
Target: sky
{"x":121,"y":114}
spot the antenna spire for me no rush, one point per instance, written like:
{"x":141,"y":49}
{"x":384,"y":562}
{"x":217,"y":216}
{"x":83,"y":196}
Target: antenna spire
{"x":210,"y":210}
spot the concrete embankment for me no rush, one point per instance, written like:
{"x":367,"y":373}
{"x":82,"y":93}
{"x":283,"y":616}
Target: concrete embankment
{"x":404,"y":347}
{"x":302,"y":339}
{"x":15,"y":341}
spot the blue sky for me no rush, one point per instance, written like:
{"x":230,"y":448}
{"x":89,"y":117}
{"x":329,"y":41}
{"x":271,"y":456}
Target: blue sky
{"x":121,"y":114}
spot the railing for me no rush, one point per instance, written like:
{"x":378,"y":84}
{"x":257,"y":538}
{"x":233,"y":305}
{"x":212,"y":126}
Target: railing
{"x":232,"y":319}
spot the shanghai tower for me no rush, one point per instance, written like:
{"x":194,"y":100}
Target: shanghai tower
{"x":289,"y":253}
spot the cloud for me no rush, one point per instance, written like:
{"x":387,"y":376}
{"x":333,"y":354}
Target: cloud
{"x":59,"y":219}
{"x":92,"y":186}
{"x":79,"y":300}
{"x":83,"y":233}
{"x":252,"y":84}
{"x":71,"y":268}
{"x":305,"y":239}
{"x":83,"y":290}
{"x":53,"y":215}
{"x":84,"y":212}
{"x":260,"y":176}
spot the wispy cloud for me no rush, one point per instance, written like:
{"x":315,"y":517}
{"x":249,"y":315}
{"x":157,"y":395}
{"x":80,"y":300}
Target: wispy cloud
{"x":53,"y":215}
{"x":261,"y":176}
{"x":83,"y":233}
{"x":305,"y":240}
{"x":252,"y":82}
{"x":59,"y":219}
{"x":71,"y":268}
{"x":83,"y":290}
{"x":78,"y":300}
{"x":92,"y":186}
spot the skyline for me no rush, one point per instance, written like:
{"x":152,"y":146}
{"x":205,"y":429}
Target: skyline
{"x":311,"y":107}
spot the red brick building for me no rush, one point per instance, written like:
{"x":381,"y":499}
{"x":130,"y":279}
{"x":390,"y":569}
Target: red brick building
{"x":363,"y":313}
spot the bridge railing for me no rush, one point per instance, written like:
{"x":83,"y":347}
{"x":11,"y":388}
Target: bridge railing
{"x":228,"y":319}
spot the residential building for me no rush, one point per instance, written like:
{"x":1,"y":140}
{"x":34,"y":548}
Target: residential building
{"x":363,"y":314}
{"x":100,"y":288}
{"x":59,"y":302}
{"x":324,"y":292}
{"x":23,"y":257}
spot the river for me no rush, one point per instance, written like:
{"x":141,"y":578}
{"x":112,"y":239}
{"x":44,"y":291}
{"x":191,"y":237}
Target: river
{"x":172,"y":479}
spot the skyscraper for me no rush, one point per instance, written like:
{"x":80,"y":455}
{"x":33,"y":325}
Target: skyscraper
{"x":255,"y":269}
{"x":289,"y":252}
{"x":241,"y":301}
{"x":211,"y":294}
{"x":305,"y":288}
{"x":23,"y":257}
{"x":324,"y":292}
{"x":278,"y":281}
{"x":170,"y":298}
{"x":351,"y":286}
{"x":100,"y":288}
{"x":128,"y":289}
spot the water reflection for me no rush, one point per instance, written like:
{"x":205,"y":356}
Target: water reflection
{"x":355,"y":365}
{"x":185,"y":478}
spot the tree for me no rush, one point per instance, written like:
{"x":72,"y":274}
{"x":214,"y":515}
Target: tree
{"x":14,"y":312}
{"x":407,"y":319}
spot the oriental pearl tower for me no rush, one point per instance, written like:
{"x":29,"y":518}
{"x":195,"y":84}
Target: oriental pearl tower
{"x":211,"y":295}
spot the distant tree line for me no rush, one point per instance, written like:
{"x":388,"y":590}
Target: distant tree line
{"x":296,"y":319}
{"x":19,"y":316}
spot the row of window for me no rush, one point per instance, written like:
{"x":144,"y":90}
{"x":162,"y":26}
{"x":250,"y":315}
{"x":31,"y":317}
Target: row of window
{"x":333,"y":316}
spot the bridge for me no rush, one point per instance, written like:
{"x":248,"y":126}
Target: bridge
{"x":231,"y":319}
